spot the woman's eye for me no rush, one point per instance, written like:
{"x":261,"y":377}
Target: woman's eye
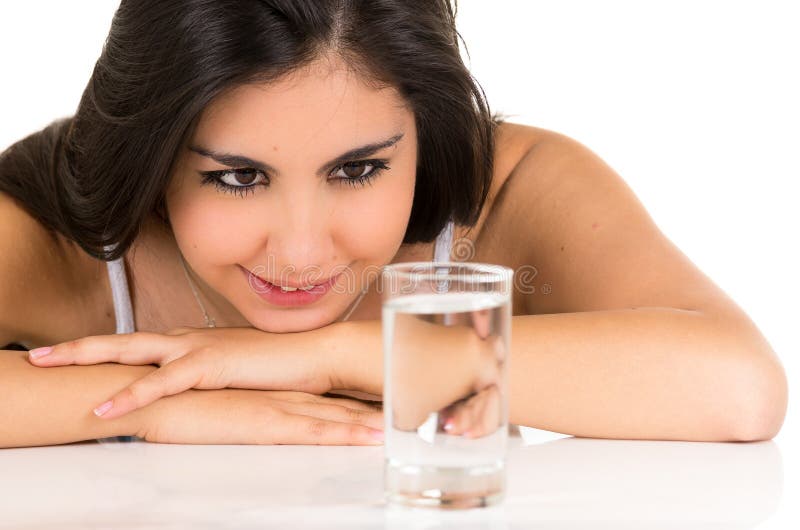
{"x":239,"y":181}
{"x":243,"y":181}
{"x":353,"y":170}
{"x":239,"y":177}
{"x":360,"y":172}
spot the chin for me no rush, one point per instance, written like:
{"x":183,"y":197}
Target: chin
{"x":289,"y":320}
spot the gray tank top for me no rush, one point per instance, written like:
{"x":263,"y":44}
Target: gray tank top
{"x":123,"y":309}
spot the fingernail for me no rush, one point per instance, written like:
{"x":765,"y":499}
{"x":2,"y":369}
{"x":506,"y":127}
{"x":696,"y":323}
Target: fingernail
{"x":448,"y":425}
{"x":102,"y":409}
{"x":378,"y":435}
{"x":40,"y":352}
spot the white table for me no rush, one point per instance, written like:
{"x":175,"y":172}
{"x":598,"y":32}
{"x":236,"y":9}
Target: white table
{"x":553,"y":482}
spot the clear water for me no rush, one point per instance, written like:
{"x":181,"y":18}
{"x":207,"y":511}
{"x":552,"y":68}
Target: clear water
{"x":446,"y":355}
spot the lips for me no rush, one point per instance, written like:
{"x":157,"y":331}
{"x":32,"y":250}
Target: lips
{"x":273,"y":294}
{"x":293,"y":284}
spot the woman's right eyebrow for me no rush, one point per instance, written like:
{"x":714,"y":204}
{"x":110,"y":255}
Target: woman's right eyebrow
{"x":236,"y":160}
{"x":229,"y":159}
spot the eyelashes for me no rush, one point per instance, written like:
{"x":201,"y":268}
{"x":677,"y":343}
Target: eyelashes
{"x":243,"y":181}
{"x":221,"y":179}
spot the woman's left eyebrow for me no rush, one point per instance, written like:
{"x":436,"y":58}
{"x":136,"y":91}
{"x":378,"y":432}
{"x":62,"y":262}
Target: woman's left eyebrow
{"x":236,"y":160}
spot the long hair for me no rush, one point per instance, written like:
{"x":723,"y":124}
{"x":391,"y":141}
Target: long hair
{"x":95,"y":177}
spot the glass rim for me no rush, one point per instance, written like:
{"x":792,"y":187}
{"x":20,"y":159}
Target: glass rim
{"x":481,"y":273}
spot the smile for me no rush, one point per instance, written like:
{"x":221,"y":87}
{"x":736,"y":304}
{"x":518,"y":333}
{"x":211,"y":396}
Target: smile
{"x":288,"y":294}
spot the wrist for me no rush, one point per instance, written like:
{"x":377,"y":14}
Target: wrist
{"x":115,"y":377}
{"x":355,"y":356}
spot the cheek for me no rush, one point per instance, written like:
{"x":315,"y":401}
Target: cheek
{"x":211,"y":231}
{"x":373,"y":220}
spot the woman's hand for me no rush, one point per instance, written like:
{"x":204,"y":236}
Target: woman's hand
{"x":481,"y":413}
{"x":233,"y":416}
{"x":199,"y":358}
{"x":474,"y":417}
{"x":455,"y":371}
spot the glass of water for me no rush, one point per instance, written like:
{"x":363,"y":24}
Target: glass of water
{"x":446,"y":342}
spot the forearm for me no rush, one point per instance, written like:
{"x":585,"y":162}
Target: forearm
{"x":647,"y":373}
{"x":50,"y":406}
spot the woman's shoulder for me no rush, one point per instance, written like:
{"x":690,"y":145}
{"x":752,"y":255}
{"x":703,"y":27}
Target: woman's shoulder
{"x":518,"y":144}
{"x":513,"y":143}
{"x":50,"y":289}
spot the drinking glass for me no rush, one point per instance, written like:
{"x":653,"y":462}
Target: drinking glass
{"x":446,"y":330}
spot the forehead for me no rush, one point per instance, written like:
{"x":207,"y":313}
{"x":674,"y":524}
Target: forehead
{"x":324,"y":101}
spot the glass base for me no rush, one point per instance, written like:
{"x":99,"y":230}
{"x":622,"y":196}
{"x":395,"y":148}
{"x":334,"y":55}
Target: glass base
{"x":444,"y":487}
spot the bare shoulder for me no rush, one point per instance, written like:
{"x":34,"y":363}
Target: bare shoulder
{"x":49,"y":288}
{"x":512,"y":142}
{"x":583,"y":240}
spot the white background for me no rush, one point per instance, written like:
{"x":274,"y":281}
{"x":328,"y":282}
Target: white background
{"x":695,"y":103}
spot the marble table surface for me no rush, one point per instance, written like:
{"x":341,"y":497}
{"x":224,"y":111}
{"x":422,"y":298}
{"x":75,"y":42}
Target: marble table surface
{"x":554,"y":482}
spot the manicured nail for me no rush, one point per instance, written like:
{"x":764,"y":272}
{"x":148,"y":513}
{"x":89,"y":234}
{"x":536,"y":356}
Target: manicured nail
{"x":378,"y":435}
{"x":102,"y":409}
{"x":40,"y":352}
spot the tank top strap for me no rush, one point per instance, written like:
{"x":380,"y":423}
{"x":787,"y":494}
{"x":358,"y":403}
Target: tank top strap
{"x":123,"y":308}
{"x":444,"y":242}
{"x":123,"y":313}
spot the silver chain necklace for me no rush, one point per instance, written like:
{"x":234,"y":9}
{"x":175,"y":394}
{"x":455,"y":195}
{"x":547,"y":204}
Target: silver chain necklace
{"x":353,"y":307}
{"x":210,"y":320}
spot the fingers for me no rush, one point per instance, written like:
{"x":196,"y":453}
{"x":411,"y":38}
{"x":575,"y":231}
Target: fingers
{"x":478,"y":416}
{"x":136,"y":348}
{"x":352,"y":402}
{"x":338,"y":413}
{"x":328,"y":397}
{"x":486,"y":414}
{"x":480,"y":321}
{"x":307,"y":397}
{"x":173,"y":378}
{"x":310,"y":430}
{"x":234,"y":416}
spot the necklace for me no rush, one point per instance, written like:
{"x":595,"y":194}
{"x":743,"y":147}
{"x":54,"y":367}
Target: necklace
{"x":210,"y":320}
{"x":353,"y":307}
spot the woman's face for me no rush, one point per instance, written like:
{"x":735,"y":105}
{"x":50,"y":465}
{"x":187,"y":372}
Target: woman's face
{"x":264,"y":191}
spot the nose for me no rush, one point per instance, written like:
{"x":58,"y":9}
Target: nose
{"x":299,"y":246}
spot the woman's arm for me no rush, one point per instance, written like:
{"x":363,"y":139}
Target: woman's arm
{"x":644,"y":373}
{"x":49,"y":407}
{"x":647,"y":373}
{"x":54,"y":406}
{"x":621,"y":336}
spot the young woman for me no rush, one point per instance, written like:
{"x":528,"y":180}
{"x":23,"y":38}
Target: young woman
{"x":224,"y":149}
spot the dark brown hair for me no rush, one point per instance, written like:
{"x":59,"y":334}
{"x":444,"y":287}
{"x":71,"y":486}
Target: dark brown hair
{"x":96,"y":176}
